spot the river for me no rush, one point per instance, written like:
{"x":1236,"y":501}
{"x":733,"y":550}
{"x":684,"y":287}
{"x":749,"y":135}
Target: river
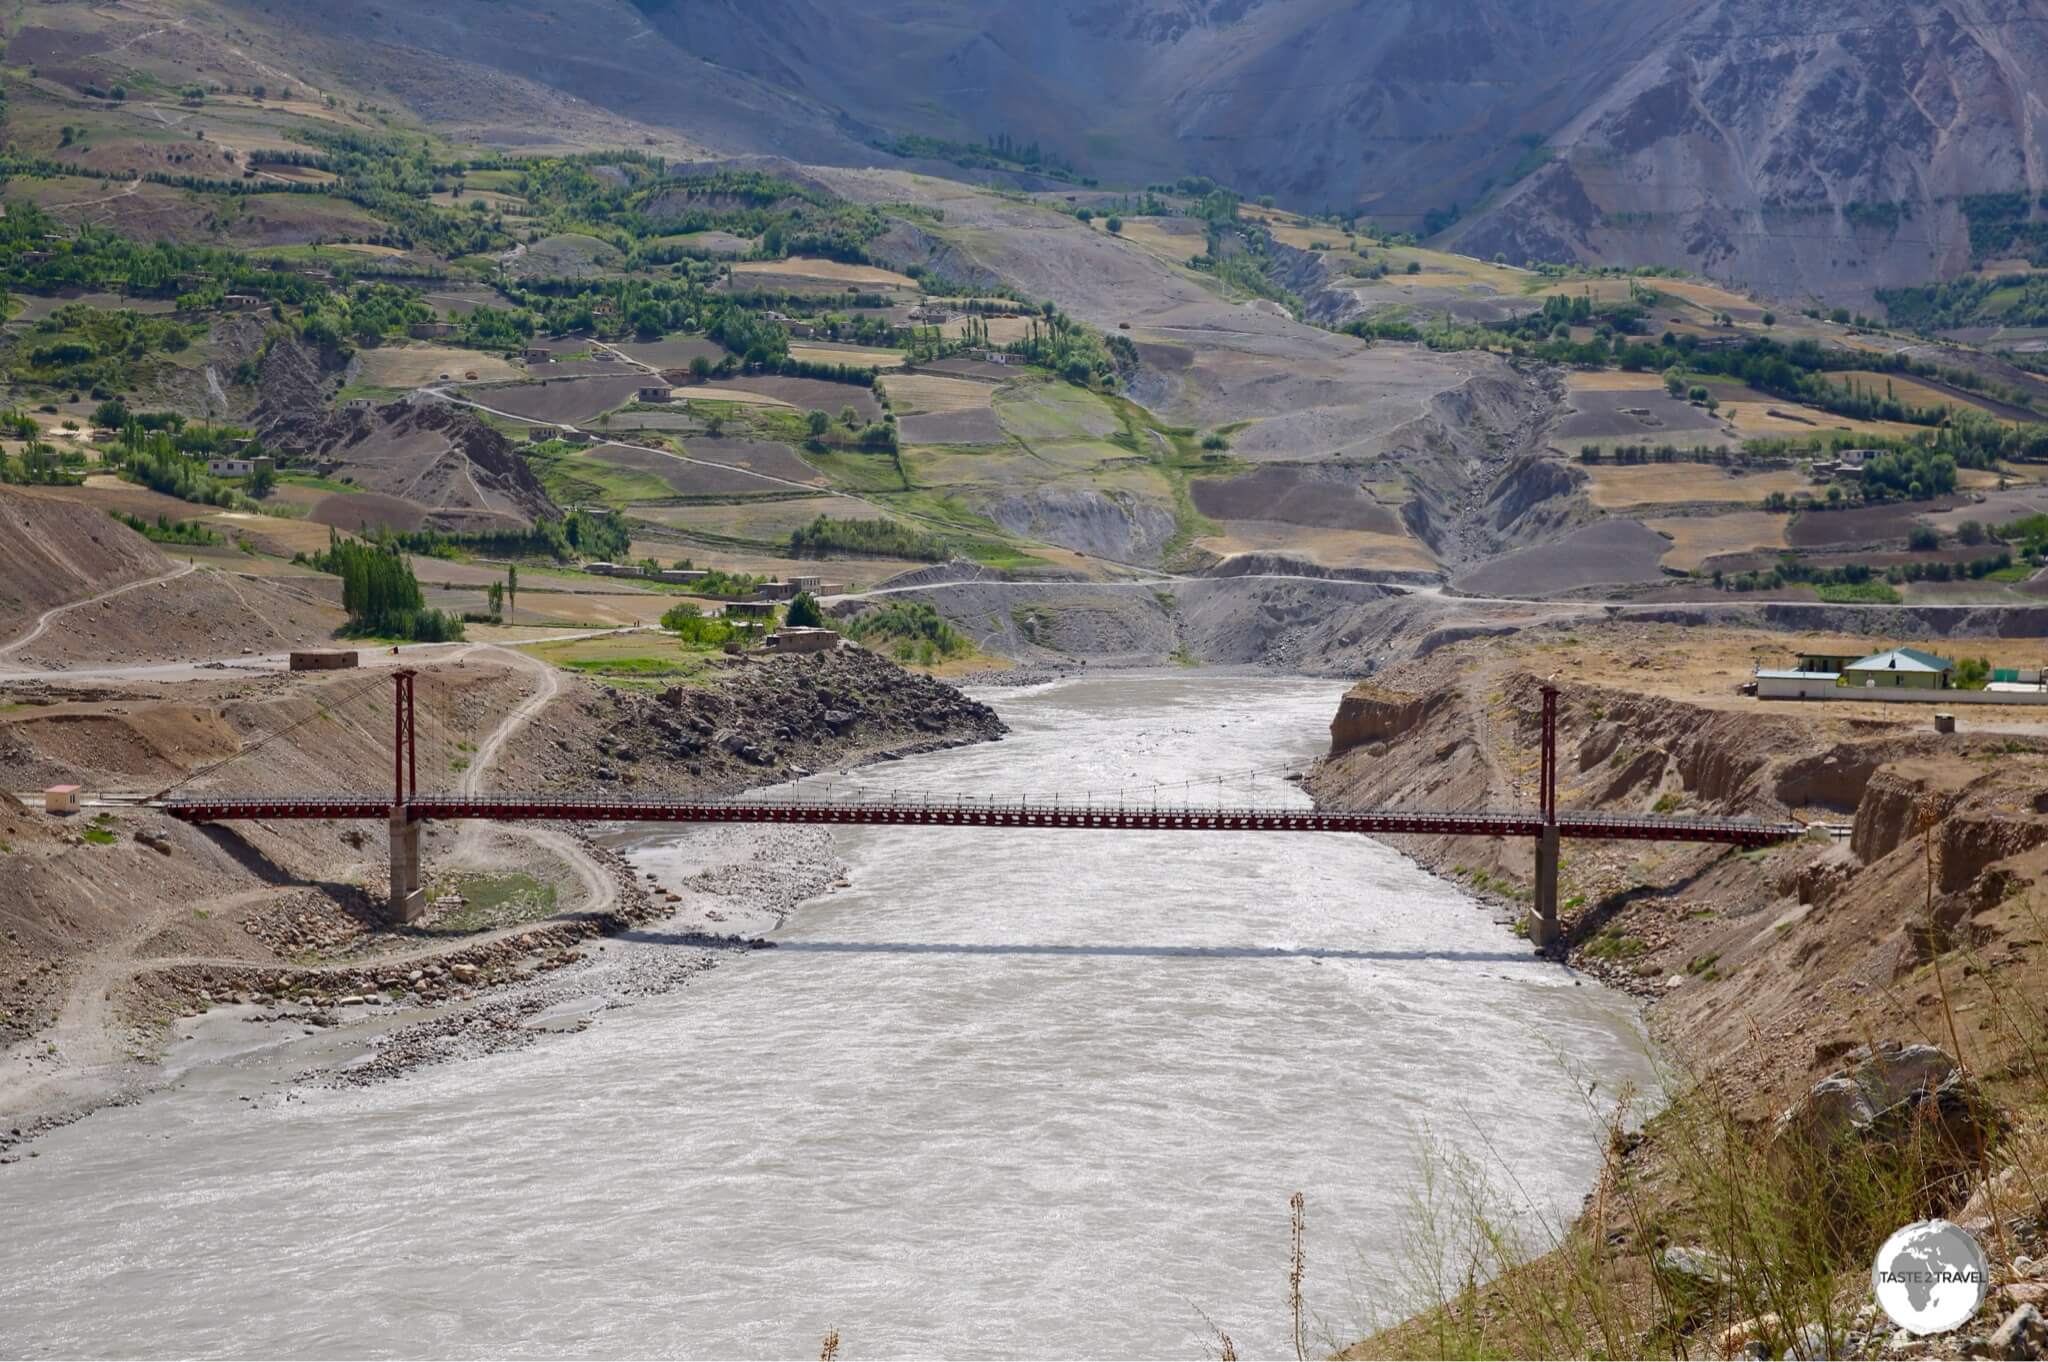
{"x":1006,"y":1093}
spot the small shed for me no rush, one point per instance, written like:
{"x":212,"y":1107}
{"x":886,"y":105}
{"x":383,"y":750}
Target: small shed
{"x":803,"y":640}
{"x":61,"y":799}
{"x":325,"y":660}
{"x":656,"y":392}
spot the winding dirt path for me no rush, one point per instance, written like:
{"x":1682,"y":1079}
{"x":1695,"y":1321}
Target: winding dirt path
{"x":52,"y":614}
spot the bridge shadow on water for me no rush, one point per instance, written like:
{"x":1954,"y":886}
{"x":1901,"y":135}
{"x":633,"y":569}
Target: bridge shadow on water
{"x":1168,"y":952}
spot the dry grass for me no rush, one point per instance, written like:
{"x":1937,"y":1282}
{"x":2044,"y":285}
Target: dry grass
{"x":1753,"y":420}
{"x":1331,"y":548}
{"x":715,"y":393}
{"x":1614,"y":381}
{"x":914,"y":394}
{"x":843,"y":354}
{"x":1694,"y":539}
{"x":1906,"y":389}
{"x":829,"y":271}
{"x":412,"y":366}
{"x":1157,"y":237}
{"x":1617,"y":487}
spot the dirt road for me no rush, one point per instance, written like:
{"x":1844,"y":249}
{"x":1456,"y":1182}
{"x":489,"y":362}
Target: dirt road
{"x":43,"y":624}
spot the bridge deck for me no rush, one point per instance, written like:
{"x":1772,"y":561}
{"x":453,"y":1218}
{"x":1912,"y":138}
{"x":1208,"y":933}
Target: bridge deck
{"x":984,"y":813}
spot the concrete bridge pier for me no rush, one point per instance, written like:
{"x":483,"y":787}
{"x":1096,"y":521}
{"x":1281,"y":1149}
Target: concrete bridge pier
{"x":1544,"y":931}
{"x":408,"y":898}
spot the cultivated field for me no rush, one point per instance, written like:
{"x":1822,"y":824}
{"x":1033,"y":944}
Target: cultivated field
{"x":414,"y":366}
{"x":755,"y":456}
{"x":1331,"y":548}
{"x":828,"y":272}
{"x":973,"y":427}
{"x":1054,"y":411}
{"x":1607,"y":554}
{"x":682,"y":479}
{"x":1763,"y":417}
{"x":1694,"y":539}
{"x":912,"y":394}
{"x":1673,"y":484}
{"x":563,"y":400}
{"x":848,"y":354}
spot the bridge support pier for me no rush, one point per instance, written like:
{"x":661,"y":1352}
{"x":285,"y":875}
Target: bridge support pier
{"x":1544,"y":931}
{"x":408,"y":898}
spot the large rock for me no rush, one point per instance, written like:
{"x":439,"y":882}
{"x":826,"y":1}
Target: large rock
{"x":2024,"y":1335}
{"x":1887,"y":1094}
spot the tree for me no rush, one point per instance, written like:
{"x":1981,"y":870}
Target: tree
{"x":700,"y":367}
{"x":818,"y":422}
{"x":1770,"y":319}
{"x":1834,"y":494}
{"x":1115,"y":225}
{"x":512,"y":589}
{"x":1971,"y":532}
{"x":262,"y":482}
{"x":1674,"y":379}
{"x":1923,"y":540}
{"x":848,"y":417}
{"x":804,"y":612}
{"x":496,"y":597}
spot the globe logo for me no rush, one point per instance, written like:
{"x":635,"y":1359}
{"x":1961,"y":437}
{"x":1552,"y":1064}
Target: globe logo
{"x":1930,"y":1277}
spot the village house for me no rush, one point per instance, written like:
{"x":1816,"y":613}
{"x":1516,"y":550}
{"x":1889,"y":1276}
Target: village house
{"x":657,"y":392}
{"x":432,"y":330}
{"x":238,"y":468}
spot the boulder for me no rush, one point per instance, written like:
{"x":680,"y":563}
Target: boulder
{"x":2024,"y":1335}
{"x":1884,"y":1095}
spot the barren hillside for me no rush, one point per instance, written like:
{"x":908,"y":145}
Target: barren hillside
{"x":53,"y":553}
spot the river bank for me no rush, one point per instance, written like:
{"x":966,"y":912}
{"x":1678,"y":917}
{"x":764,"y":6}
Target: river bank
{"x":1768,"y":976}
{"x":285,"y":920}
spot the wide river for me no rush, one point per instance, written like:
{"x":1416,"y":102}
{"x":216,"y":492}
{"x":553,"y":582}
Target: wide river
{"x":1038,"y":1093}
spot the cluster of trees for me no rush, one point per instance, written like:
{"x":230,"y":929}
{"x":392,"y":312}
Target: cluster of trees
{"x":1000,"y":152}
{"x":380,"y":593}
{"x":1670,"y":453}
{"x":597,"y":536}
{"x":153,"y":458}
{"x":1079,"y":354}
{"x":364,"y":315}
{"x":95,"y":349}
{"x":689,"y":623}
{"x":169,"y":531}
{"x":866,"y":538}
{"x":2009,"y":299}
{"x":910,"y":633}
{"x":38,"y":465}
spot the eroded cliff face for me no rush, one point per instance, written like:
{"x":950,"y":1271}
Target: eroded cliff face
{"x":1757,"y":960}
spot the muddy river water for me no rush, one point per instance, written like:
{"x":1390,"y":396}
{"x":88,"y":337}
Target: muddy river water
{"x":1040,"y":1093}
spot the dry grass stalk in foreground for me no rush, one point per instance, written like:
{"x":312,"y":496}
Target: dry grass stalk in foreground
{"x":1711,"y":1225}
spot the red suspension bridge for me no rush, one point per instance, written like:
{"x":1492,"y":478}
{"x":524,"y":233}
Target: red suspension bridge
{"x":407,"y":810}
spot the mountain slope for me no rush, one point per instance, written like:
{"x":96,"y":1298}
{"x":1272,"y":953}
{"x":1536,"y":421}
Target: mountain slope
{"x":1795,"y":145}
{"x":1788,"y":146}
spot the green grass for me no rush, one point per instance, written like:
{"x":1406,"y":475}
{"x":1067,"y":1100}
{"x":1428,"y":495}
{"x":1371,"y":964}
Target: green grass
{"x":1048,"y":412}
{"x":99,"y":832}
{"x":504,"y":899}
{"x":1860,"y":593}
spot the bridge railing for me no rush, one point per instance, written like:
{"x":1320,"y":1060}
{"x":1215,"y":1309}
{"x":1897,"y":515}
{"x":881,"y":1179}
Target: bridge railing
{"x":988,"y":811}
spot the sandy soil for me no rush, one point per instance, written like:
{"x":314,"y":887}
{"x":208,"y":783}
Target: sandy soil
{"x":826,"y":271}
{"x":413,"y":366}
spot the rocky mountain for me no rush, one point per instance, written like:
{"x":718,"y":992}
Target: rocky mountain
{"x":1790,"y":144}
